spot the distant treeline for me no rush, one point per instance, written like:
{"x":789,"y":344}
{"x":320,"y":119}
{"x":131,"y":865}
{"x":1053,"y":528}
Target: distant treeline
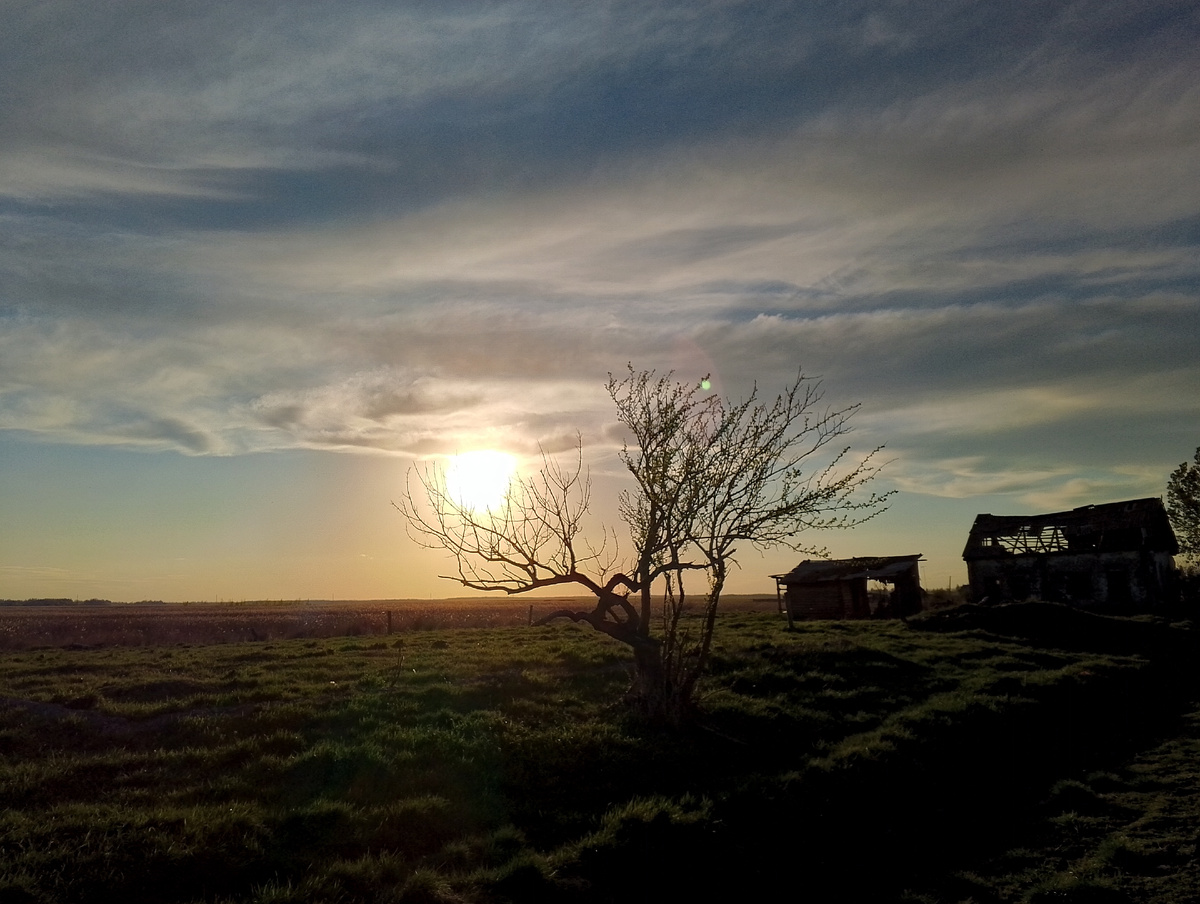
{"x":48,"y":601}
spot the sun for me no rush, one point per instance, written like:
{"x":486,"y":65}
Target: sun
{"x":480,"y":480}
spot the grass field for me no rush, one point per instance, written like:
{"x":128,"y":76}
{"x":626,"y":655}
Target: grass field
{"x":981,"y":755}
{"x":138,"y":624}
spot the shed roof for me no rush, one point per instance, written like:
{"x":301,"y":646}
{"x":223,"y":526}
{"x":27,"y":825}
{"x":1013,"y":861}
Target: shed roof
{"x":1136,"y":524}
{"x":878,"y":568}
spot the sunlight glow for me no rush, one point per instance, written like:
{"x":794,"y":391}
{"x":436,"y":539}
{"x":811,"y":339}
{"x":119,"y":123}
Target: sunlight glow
{"x":480,"y":480}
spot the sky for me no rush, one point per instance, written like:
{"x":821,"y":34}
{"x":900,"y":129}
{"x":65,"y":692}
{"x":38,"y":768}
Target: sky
{"x":258,"y":260}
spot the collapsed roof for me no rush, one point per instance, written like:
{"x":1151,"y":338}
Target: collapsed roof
{"x":1134,"y":525}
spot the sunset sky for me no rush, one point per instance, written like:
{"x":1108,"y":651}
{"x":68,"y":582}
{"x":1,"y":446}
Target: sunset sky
{"x":257,"y":259}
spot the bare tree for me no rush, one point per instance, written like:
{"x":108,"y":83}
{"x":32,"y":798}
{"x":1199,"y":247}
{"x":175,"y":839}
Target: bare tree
{"x":708,"y":477}
{"x":711,"y":476}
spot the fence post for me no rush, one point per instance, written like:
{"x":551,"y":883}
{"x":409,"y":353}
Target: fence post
{"x":389,"y":622}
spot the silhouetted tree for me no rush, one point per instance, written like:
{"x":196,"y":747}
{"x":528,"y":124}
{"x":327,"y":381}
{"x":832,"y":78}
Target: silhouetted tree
{"x":1183,"y":506}
{"x":708,"y":477}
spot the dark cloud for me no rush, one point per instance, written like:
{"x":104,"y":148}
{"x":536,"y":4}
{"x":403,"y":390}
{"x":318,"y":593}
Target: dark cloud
{"x":282,"y":416}
{"x":357,"y":111}
{"x":168,"y":432}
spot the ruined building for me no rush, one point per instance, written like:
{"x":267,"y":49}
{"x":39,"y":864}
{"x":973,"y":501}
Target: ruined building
{"x":1115,"y":557}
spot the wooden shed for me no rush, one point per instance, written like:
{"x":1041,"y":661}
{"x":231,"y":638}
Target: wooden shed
{"x":839,"y":588}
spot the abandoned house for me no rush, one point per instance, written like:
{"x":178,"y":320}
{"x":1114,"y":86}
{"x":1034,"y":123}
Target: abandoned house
{"x":840,"y":588}
{"x":1114,"y":557}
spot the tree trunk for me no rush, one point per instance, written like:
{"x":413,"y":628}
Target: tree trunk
{"x":704,"y":648}
{"x":653,"y":695}
{"x":647,"y":607}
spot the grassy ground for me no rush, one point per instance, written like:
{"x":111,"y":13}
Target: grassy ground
{"x":156,"y":624}
{"x":1123,"y":834}
{"x":496,"y":765}
{"x":105,"y":624}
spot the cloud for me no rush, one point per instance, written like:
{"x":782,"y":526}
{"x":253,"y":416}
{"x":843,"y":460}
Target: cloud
{"x":53,"y":173}
{"x":407,"y":105}
{"x":169,"y":432}
{"x":411,"y":229}
{"x":234,"y":88}
{"x":963,"y":478}
{"x":1013,"y":489}
{"x":1079,"y":491}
